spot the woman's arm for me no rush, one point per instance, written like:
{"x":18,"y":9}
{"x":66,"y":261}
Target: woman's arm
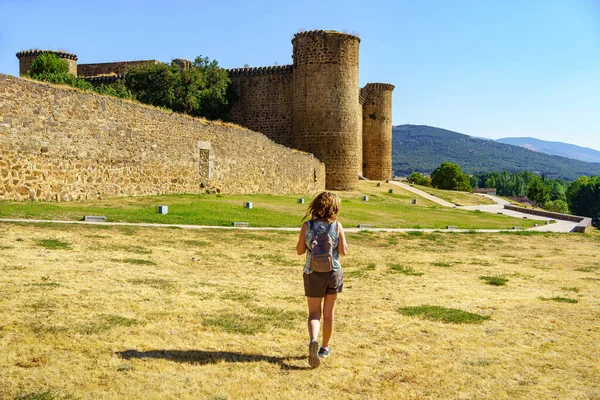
{"x":342,"y":244}
{"x":301,"y":246}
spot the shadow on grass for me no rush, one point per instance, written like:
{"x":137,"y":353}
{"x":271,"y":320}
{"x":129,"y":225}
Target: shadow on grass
{"x":210,"y":357}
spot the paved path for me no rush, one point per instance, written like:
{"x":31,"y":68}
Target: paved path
{"x":249,"y":228}
{"x":559,"y":226}
{"x":423,"y":194}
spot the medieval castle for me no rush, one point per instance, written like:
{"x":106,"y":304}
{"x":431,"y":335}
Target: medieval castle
{"x":313,"y":105}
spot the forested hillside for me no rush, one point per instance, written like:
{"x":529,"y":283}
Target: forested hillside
{"x":423,"y":148}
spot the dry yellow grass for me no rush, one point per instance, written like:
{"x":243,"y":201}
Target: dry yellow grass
{"x":86,"y":320}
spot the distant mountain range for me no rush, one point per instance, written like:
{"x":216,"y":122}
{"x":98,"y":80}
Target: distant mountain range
{"x":423,"y":148}
{"x":555,"y":148}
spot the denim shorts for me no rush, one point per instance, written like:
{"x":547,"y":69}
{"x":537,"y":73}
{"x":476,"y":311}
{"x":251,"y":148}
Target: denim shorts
{"x":318,"y":284}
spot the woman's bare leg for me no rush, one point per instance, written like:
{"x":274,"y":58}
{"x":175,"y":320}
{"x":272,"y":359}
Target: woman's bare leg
{"x":314,"y":317}
{"x":328,"y":306}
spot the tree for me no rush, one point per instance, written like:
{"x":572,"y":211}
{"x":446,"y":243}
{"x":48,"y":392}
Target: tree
{"x":584,"y":196}
{"x":573,"y":191}
{"x":202,"y":90}
{"x":418,"y":179}
{"x":538,"y":191}
{"x":450,"y":177}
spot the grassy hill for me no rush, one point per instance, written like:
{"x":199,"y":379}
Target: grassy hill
{"x":423,"y":148}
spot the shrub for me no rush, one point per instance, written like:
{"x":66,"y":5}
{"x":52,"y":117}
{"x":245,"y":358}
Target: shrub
{"x":50,"y":68}
{"x":117,"y":89}
{"x":558,"y":206}
{"x":48,"y":63}
{"x":418,"y":179}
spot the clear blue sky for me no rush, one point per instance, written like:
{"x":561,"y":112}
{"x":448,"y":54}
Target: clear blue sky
{"x":489,"y":68}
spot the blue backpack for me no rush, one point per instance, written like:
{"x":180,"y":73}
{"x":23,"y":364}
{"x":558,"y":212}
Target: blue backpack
{"x":321,"y":248}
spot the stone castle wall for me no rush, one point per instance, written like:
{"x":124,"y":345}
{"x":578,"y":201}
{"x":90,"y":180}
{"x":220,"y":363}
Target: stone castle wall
{"x":114,"y":68}
{"x":377,"y":131}
{"x":326,"y":103}
{"x":58,"y":143}
{"x":265,"y":99}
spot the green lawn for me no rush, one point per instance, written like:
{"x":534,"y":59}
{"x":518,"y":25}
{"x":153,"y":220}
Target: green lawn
{"x":383,"y":210}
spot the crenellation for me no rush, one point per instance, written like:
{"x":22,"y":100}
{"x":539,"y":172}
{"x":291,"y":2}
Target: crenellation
{"x":275,"y":69}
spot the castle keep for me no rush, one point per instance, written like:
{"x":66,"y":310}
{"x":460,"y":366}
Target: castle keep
{"x":313,"y":105}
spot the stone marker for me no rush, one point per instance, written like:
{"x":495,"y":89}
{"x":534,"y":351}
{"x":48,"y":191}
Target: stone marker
{"x":162,"y":209}
{"x":378,"y":184}
{"x":94,"y":218}
{"x":240,"y":224}
{"x":366,"y":198}
{"x":451,"y":227}
{"x":363,"y":226}
{"x":248,"y":204}
{"x":414,"y":201}
{"x":517,"y":227}
{"x":300,"y":201}
{"x":390,"y":190}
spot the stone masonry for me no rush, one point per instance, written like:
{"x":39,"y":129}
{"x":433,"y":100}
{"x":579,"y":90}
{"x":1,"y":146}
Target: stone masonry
{"x":59,"y":143}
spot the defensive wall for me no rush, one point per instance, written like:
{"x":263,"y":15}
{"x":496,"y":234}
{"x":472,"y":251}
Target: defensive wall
{"x":265,"y":99}
{"x":314,"y":105}
{"x":59,"y":143}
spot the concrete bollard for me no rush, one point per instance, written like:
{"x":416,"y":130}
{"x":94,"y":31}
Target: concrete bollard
{"x":162,"y":209}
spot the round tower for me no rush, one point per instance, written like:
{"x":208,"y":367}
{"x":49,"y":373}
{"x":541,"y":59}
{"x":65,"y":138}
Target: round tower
{"x":26,"y":58}
{"x":325,"y":107}
{"x":361,"y":102}
{"x":377,"y":131}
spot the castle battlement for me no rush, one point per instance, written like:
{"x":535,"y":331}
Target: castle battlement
{"x":35,"y":53}
{"x":322,"y":33}
{"x":313,"y":105}
{"x":274,"y":69}
{"x":379,"y":86}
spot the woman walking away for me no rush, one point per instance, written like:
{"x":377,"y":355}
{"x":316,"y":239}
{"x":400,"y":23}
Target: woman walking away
{"x":323,"y":240}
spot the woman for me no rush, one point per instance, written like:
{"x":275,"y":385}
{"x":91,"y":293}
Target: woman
{"x":321,"y":288}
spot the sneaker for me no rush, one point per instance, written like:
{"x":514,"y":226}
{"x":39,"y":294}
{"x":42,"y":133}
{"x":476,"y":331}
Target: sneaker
{"x":324,"y":352}
{"x":313,"y":356}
